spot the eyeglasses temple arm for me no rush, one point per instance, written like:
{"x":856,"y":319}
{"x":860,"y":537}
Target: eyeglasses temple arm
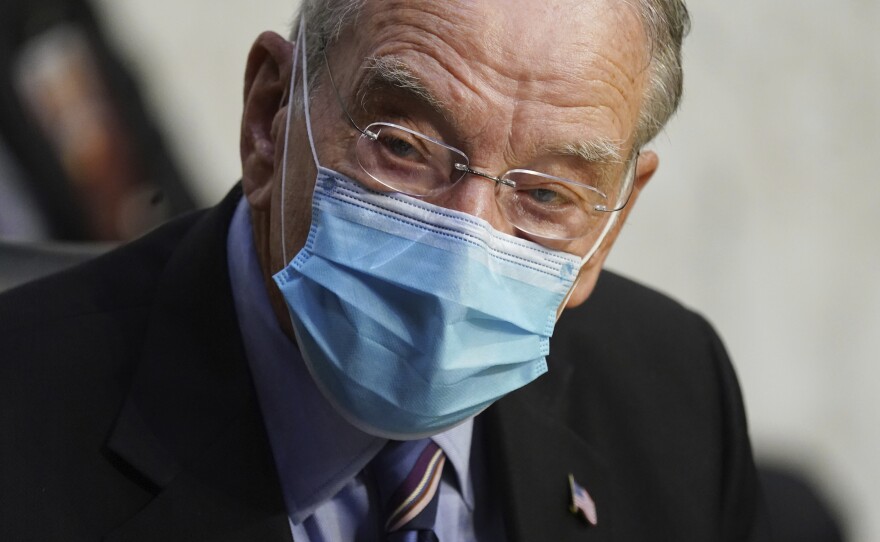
{"x":366,"y":133}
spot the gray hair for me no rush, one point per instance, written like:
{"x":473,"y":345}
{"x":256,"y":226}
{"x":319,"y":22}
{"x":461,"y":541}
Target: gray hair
{"x":666,"y":23}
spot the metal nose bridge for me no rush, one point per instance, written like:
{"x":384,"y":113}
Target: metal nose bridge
{"x":498,"y":180}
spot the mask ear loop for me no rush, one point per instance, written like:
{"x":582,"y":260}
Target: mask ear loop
{"x":294,"y":65}
{"x":605,"y":230}
{"x":306,"y":107}
{"x":611,"y":222}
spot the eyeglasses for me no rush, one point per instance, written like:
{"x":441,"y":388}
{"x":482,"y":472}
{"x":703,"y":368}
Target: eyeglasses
{"x":551,"y":206}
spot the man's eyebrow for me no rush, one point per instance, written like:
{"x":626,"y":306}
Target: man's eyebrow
{"x":390,"y":71}
{"x":385,"y":72}
{"x":599,"y":150}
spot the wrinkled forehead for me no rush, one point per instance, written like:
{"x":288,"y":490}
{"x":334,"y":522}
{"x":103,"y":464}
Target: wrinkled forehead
{"x":520,"y":38}
{"x":566,"y":52}
{"x":513,"y":30}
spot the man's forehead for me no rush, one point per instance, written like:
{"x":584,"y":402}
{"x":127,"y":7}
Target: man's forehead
{"x":566,"y":71}
{"x":557,"y":51}
{"x":520,"y":37}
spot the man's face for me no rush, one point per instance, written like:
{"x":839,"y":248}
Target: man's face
{"x":511,"y":83}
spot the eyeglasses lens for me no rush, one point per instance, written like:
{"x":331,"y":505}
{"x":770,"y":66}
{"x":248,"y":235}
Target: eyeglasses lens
{"x":408,"y":162}
{"x":541,"y":204}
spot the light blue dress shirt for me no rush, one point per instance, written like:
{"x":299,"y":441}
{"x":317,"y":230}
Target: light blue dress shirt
{"x":320,"y":457}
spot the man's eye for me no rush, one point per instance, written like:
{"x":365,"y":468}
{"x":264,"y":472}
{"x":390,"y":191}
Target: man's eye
{"x":399,"y":147}
{"x":545,"y":196}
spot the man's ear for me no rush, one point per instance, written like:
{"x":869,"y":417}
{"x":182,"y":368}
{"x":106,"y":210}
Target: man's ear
{"x":647,"y":165}
{"x":266,"y":82}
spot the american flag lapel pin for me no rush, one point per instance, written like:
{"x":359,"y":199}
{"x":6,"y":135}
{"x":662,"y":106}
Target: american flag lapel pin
{"x":581,"y":502}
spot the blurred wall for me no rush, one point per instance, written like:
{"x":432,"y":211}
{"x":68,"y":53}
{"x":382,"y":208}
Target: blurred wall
{"x":191,"y":56}
{"x":763,"y":216}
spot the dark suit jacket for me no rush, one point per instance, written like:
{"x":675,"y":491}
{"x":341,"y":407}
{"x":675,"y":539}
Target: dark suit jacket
{"x":127,"y":412}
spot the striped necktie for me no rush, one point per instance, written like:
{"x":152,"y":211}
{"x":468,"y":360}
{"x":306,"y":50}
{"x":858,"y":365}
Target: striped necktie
{"x":408,"y":475}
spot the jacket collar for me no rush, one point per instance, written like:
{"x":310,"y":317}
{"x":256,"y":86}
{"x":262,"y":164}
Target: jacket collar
{"x":191,"y":425}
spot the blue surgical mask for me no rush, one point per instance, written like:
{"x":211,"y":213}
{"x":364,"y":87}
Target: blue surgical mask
{"x":411,"y":317}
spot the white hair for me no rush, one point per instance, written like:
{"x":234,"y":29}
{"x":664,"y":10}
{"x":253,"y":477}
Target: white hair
{"x":666,"y":23}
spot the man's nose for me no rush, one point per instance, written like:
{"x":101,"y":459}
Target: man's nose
{"x":475,"y":195}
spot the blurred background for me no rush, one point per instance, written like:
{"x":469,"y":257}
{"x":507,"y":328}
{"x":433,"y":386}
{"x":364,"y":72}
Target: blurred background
{"x":763,"y":215}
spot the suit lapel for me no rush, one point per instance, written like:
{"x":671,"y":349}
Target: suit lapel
{"x":532,"y":453}
{"x":191,"y":424}
{"x":228,"y":492}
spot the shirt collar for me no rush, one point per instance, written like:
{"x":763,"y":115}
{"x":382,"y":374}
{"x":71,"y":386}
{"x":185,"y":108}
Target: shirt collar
{"x":316,"y":450}
{"x":456,"y":444}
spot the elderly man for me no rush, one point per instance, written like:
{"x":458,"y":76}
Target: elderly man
{"x":356,"y":347}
